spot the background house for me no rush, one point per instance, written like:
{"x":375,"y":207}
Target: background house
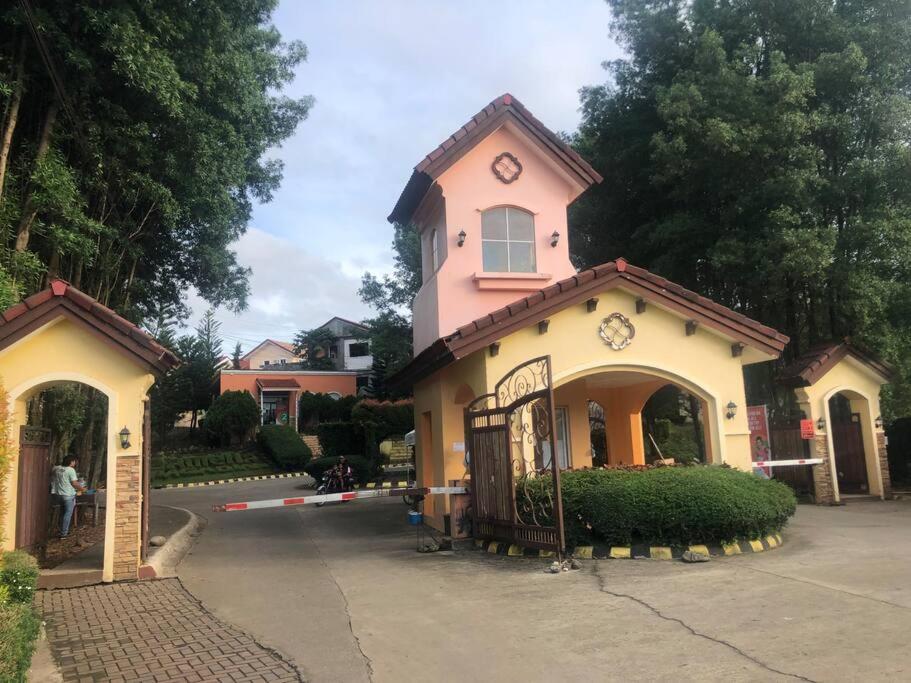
{"x":351,"y":350}
{"x":269,"y":352}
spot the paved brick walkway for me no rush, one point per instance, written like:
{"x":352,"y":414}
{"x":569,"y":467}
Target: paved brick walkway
{"x":150,"y":631}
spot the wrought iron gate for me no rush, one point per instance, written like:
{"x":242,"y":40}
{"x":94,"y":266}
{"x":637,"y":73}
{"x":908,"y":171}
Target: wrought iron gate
{"x":511,"y":447}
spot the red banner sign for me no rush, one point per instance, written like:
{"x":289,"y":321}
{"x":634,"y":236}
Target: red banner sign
{"x":807,"y":430}
{"x":760,"y":443}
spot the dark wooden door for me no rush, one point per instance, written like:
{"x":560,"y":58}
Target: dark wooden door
{"x":33,"y":489}
{"x":850,"y":463}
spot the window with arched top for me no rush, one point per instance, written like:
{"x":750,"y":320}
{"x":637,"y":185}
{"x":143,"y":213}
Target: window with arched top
{"x":508,"y":240}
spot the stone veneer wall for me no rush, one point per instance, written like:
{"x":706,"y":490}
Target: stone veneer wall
{"x":883,"y":458}
{"x":822,"y":473}
{"x":127,"y":517}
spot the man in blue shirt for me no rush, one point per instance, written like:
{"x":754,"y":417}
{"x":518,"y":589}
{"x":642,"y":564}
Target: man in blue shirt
{"x":64,"y":485}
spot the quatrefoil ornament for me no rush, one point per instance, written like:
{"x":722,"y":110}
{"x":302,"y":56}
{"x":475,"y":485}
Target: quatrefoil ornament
{"x":617,"y":331}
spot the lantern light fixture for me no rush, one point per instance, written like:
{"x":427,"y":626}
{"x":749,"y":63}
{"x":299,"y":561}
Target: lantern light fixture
{"x":731,"y":410}
{"x":821,"y":424}
{"x":878,"y":422}
{"x":462,"y":237}
{"x":554,"y":238}
{"x":124,"y":438}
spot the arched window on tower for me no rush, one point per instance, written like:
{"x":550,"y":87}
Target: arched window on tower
{"x":508,"y":240}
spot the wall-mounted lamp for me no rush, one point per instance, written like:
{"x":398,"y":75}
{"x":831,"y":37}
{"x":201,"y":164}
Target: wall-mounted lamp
{"x":462,"y":237}
{"x":731,"y":410}
{"x":124,"y":438}
{"x":878,"y":422}
{"x":554,"y":238}
{"x":821,"y":425}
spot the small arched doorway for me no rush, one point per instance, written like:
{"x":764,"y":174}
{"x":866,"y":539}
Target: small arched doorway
{"x":846,"y":411}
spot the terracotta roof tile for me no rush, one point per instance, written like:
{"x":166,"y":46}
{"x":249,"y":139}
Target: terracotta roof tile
{"x":505,"y":105}
{"x":540,"y":304}
{"x":810,"y":366}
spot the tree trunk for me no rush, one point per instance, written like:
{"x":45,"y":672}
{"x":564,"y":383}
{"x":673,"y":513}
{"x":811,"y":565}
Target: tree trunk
{"x":28,"y":210}
{"x":13,"y":115}
{"x":697,"y":426}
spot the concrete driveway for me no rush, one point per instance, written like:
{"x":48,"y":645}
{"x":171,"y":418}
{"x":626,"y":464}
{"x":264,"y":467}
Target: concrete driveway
{"x":341,"y":592}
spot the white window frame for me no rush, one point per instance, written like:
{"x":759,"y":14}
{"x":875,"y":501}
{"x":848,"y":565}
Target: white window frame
{"x":508,"y":241}
{"x":434,"y":250}
{"x":564,"y":456}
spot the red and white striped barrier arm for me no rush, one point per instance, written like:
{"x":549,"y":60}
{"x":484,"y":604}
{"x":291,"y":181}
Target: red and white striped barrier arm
{"x":336,"y":497}
{"x":778,"y":463}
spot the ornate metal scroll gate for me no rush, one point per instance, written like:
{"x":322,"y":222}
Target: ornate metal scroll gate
{"x":510,"y":439}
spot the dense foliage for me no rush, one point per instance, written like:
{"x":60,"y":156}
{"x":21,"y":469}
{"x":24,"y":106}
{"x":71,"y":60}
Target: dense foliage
{"x":314,"y":408}
{"x":19,"y":624}
{"x":340,"y":438}
{"x":284,"y":447}
{"x":363,"y":469}
{"x":384,"y":418}
{"x":133,"y":144}
{"x":673,"y":506}
{"x":232,"y":417}
{"x":757,"y":152}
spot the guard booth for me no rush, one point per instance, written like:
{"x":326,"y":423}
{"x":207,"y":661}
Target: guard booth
{"x":63,"y":335}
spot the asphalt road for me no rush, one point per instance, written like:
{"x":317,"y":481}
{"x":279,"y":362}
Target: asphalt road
{"x":342,"y":592}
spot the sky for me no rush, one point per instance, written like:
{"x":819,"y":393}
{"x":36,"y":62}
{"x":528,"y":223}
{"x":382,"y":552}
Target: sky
{"x":392,"y":79}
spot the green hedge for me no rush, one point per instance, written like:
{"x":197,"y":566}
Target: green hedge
{"x":363,"y":470}
{"x":284,"y":446}
{"x":218,"y":464}
{"x":384,"y":418}
{"x":341,"y":438}
{"x":19,"y":627}
{"x":673,"y":506}
{"x":18,"y":622}
{"x":19,"y":574}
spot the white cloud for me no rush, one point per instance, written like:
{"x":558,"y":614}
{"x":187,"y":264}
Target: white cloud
{"x":291,"y":289}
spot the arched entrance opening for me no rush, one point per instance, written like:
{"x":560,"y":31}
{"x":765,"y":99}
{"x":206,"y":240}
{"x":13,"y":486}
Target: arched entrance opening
{"x":62,"y":419}
{"x":632,"y":416}
{"x":852,"y":443}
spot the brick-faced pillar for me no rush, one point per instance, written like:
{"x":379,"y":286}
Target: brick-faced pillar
{"x":127,"y":518}
{"x":822,"y":473}
{"x":883,"y":458}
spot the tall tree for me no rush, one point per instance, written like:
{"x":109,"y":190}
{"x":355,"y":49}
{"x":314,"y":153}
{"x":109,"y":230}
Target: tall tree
{"x":391,"y":297}
{"x":757,"y":151}
{"x":314,"y":348}
{"x":133,"y":140}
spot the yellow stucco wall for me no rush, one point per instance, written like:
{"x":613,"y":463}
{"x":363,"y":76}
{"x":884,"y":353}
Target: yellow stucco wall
{"x":701,"y":363}
{"x":861,"y":385}
{"x":63,"y":351}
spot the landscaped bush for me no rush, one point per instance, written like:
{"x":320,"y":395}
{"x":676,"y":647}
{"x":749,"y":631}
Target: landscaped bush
{"x":362,"y":468}
{"x":673,"y":506}
{"x":232,"y":416}
{"x":386,"y":418}
{"x":19,"y":574}
{"x":284,"y":446}
{"x":18,"y":632}
{"x":341,"y":438}
{"x":177,"y":467}
{"x":316,"y":408}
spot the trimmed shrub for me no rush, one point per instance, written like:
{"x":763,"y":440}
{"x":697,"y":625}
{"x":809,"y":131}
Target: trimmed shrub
{"x":316,"y":408}
{"x":284,"y":446}
{"x":387,"y":418}
{"x":363,"y":470}
{"x":341,"y":438}
{"x":231,"y":417}
{"x":19,"y":627}
{"x":19,"y":574}
{"x":673,"y":506}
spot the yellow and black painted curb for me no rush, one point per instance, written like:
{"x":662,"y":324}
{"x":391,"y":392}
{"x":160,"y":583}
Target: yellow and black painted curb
{"x":636,"y":552}
{"x":262,"y":477}
{"x":285,"y":475}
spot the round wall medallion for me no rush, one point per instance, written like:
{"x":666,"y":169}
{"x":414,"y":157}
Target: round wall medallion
{"x":617,"y":331}
{"x":506,"y":167}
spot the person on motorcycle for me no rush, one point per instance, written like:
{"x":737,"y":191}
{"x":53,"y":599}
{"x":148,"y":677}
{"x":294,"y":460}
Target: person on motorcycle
{"x":345,"y":473}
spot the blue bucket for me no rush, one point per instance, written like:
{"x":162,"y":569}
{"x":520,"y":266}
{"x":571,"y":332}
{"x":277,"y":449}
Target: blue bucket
{"x":415,"y":518}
